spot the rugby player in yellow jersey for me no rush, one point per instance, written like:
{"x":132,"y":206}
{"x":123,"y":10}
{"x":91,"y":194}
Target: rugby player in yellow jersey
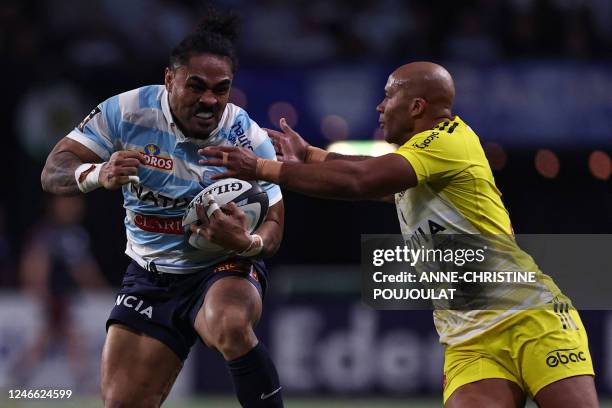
{"x":493,"y":358}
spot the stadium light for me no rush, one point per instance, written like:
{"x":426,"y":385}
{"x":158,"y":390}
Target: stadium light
{"x":547,"y":163}
{"x":362,"y":147}
{"x":599,"y":165}
{"x":282,"y":109}
{"x":334,"y":127}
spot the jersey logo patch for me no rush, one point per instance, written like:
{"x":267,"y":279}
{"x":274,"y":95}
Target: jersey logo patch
{"x":162,"y":225}
{"x":154,"y":159}
{"x":427,"y":140}
{"x":93,"y":113}
{"x":238,"y":136}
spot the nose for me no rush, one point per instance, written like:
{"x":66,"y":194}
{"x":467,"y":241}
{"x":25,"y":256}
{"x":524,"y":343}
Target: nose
{"x":208,"y":98}
{"x":380,"y":108}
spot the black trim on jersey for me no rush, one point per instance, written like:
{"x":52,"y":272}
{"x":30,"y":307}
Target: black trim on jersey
{"x":562,"y":311}
{"x":452,"y":128}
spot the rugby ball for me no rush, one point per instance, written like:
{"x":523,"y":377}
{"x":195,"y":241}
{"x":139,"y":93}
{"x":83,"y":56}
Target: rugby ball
{"x":247,"y":195}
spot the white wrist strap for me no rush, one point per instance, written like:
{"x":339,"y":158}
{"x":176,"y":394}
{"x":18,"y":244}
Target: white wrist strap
{"x":87,"y":176}
{"x":254,"y":248}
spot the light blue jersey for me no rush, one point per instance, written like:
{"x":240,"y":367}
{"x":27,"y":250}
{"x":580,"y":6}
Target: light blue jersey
{"x":140,"y":120}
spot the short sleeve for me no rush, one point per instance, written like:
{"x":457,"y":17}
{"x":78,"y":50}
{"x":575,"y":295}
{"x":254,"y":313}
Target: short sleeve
{"x":435,"y":155}
{"x":98,"y":131}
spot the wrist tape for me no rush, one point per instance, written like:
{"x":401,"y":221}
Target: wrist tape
{"x":254,"y":248}
{"x":314,"y":154}
{"x":87,"y":176}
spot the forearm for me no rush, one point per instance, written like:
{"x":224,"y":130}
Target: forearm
{"x":58,"y":174}
{"x":337,"y":156}
{"x":271,"y":230}
{"x":336,"y":179}
{"x":271,"y":234}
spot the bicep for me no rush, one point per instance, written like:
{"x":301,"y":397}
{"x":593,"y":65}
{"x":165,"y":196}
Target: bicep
{"x":79,"y":150}
{"x":385,"y":175}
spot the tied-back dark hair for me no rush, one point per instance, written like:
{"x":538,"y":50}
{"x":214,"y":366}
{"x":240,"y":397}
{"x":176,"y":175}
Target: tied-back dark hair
{"x":216,"y":34}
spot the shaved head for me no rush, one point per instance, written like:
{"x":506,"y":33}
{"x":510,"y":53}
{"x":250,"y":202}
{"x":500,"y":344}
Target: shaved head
{"x":417,"y":97}
{"x":427,"y":80}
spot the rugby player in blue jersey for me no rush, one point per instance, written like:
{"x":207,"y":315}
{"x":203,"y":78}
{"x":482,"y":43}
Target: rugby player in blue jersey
{"x":145,"y":141}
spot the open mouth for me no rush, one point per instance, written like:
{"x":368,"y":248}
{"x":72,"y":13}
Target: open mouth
{"x":206,"y":115}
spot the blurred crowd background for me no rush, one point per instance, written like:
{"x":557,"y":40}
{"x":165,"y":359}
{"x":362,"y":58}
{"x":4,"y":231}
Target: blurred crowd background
{"x":534,"y":79}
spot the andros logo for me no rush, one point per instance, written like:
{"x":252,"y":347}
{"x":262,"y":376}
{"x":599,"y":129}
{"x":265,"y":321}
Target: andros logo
{"x":564,"y":356}
{"x":152,"y":149}
{"x":153,"y":159}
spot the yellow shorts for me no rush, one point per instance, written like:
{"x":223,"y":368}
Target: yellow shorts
{"x":533,"y":348}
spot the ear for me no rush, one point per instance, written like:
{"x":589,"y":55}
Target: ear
{"x":418,"y":106}
{"x":168,"y":78}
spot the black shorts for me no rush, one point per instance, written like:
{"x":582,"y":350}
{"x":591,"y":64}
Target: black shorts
{"x":164,"y":305}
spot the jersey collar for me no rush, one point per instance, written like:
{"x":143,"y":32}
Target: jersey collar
{"x":180,"y":137}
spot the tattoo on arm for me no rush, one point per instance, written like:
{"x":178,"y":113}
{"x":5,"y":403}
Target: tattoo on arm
{"x":58,"y":175}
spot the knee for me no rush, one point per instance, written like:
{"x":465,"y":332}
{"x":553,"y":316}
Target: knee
{"x":230,"y":332}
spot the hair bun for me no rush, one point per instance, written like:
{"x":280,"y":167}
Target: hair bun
{"x":223,"y":24}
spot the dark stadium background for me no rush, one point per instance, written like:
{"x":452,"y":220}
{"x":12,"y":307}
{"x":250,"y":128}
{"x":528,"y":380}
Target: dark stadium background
{"x":534,"y":80}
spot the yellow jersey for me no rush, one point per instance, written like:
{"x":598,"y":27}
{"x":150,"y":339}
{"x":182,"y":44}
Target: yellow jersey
{"x":456,"y":194}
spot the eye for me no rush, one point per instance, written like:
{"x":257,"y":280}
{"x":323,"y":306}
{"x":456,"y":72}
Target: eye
{"x":222,"y":91}
{"x":195,"y":87}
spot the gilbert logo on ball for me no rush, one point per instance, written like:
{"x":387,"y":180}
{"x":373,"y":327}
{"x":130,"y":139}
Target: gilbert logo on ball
{"x":247,"y":195}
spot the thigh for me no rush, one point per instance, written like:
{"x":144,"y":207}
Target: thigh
{"x":474,"y":368}
{"x":137,"y":370}
{"x":559,"y":351}
{"x":489,"y":393}
{"x":573,"y":392}
{"x":231,"y":303}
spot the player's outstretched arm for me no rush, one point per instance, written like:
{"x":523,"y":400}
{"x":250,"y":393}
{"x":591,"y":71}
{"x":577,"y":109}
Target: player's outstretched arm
{"x":292,"y":148}
{"x":68,"y":157}
{"x":336,"y":179}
